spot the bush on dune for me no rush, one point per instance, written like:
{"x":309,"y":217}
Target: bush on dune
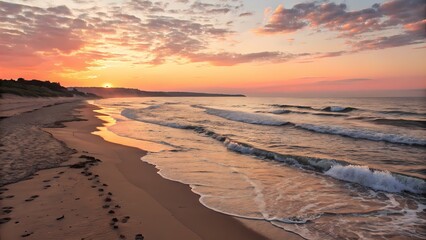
{"x":37,"y":88}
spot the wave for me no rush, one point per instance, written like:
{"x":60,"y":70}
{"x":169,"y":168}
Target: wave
{"x":326,"y":109}
{"x":133,"y":114}
{"x":253,"y":118}
{"x":292,"y":106}
{"x":338,"y":109}
{"x":281,"y":111}
{"x":337,"y":169}
{"x":400,"y":122}
{"x":364,"y":134}
{"x":262,"y":119}
{"x":398,"y":112}
{"x":286,"y":111}
{"x":330,"y":114}
{"x":375,"y":179}
{"x":378,"y":180}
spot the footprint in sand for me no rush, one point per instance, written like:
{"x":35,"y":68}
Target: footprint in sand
{"x":4,"y":220}
{"x":114,"y":223}
{"x":7,"y":210}
{"x":26,"y":234}
{"x":125,"y":219}
{"x":2,"y":190}
{"x":31,"y":198}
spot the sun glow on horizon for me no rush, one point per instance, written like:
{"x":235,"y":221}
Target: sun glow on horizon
{"x":248,"y":47}
{"x":107,"y":85}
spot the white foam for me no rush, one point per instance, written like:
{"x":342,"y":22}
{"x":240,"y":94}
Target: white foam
{"x":253,"y":118}
{"x":378,"y":180}
{"x":364,"y":134}
{"x":234,"y":146}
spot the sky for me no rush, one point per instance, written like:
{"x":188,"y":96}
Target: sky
{"x":255,"y":47}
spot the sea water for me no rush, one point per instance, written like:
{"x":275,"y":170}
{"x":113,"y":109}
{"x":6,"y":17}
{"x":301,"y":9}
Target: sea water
{"x":321,"y":168}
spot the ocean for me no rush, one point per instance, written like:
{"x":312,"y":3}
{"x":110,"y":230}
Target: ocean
{"x":346,"y":168}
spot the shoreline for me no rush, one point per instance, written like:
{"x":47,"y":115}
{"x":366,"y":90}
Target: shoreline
{"x":261,"y":227}
{"x":148,"y":204}
{"x":176,"y":199}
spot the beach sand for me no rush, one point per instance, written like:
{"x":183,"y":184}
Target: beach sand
{"x":11,"y":105}
{"x":111,"y":194}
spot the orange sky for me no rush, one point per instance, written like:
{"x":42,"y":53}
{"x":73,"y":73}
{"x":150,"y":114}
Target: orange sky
{"x":266,"y":47}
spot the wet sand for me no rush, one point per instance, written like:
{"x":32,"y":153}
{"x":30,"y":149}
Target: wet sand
{"x":116,"y":197}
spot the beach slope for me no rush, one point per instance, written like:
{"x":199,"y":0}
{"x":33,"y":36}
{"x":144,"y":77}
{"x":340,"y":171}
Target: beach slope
{"x":97,"y":189}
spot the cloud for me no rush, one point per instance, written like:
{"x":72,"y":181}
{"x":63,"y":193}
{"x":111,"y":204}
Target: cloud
{"x":341,"y":81}
{"x":329,"y":54}
{"x":222,"y":8}
{"x":85,"y":36}
{"x":36,"y":29}
{"x":318,"y":15}
{"x":231,"y":59}
{"x":60,"y":10}
{"x":408,"y":38}
{"x":33,"y":36}
{"x":246,"y":14}
{"x":147,"y":6}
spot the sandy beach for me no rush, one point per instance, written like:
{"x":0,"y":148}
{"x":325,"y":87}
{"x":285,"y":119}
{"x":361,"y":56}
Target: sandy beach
{"x":212,"y":119}
{"x":93,"y":189}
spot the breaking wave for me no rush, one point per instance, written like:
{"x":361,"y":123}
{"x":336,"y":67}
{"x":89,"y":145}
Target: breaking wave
{"x":325,"y":109}
{"x":341,"y":109}
{"x":338,"y":109}
{"x":253,"y":118}
{"x":262,"y":119}
{"x":364,"y":134}
{"x":400,"y":122}
{"x":378,"y":180}
{"x":286,"y":111}
{"x":375,"y":179}
{"x":292,"y":106}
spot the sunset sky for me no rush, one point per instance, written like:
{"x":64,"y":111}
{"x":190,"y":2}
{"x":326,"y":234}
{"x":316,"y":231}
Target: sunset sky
{"x":256,"y":47}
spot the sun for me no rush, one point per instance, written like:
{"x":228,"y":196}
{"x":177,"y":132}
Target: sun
{"x":107,"y":85}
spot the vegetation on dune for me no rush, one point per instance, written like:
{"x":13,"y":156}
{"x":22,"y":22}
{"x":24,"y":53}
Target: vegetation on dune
{"x":37,"y":88}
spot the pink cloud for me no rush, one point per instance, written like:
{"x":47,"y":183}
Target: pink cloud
{"x":353,"y":24}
